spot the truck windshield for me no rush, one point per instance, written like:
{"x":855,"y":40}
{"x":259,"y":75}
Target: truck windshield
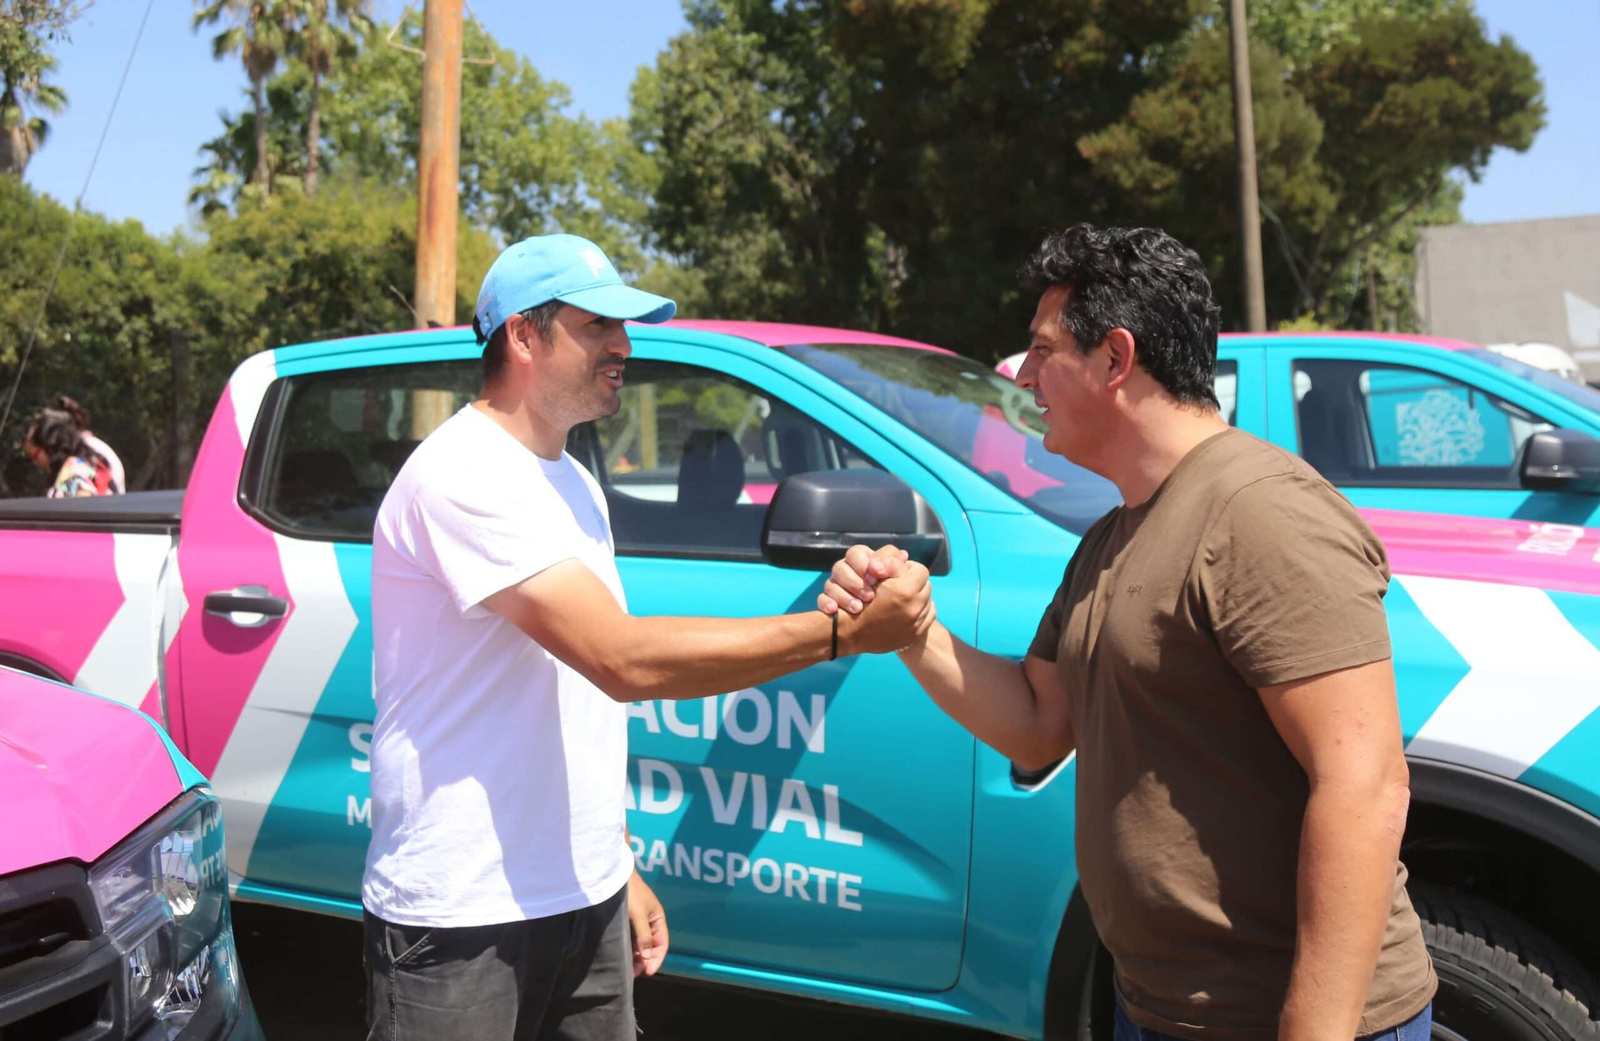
{"x":1584,"y":397}
{"x":976,"y":415}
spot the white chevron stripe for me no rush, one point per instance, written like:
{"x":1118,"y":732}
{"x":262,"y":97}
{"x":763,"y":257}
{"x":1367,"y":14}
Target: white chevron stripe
{"x":274,"y":720}
{"x":122,"y":663}
{"x":1534,"y":677}
{"x":174,"y":606}
{"x":248,"y":386}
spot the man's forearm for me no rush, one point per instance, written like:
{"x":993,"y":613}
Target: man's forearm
{"x":1349,"y":844}
{"x":675,"y":658}
{"x":990,"y":696}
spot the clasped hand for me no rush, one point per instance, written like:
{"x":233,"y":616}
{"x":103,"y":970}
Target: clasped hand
{"x":897,"y":590}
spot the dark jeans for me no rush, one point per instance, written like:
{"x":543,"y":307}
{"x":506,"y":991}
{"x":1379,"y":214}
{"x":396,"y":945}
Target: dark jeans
{"x":568,"y":977}
{"x":1417,"y":1028}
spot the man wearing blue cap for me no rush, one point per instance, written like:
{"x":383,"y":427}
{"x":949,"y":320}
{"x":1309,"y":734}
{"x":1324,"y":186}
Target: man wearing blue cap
{"x":499,"y":889}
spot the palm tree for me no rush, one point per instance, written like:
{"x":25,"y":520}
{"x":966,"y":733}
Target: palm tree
{"x":228,"y":158}
{"x":258,"y":31}
{"x":322,"y":32}
{"x":24,"y":94}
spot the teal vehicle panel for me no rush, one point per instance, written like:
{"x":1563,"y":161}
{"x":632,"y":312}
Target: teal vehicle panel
{"x":806,"y":799}
{"x":1440,"y":439}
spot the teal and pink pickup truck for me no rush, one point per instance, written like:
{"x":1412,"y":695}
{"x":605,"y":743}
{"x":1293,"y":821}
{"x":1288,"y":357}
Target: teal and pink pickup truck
{"x":831,"y":834}
{"x":114,"y":921}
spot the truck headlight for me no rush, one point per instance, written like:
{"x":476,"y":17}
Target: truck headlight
{"x":163,"y":898}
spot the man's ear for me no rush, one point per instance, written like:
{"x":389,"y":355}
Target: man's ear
{"x":1121,"y":356}
{"x":522,"y":339}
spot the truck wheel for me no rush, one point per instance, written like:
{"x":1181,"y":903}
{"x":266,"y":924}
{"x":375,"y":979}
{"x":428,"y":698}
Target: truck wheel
{"x":1500,"y":979}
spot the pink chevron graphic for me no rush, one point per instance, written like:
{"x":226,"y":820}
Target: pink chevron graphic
{"x":61,"y":593}
{"x":221,"y":661}
{"x":1509,"y":552}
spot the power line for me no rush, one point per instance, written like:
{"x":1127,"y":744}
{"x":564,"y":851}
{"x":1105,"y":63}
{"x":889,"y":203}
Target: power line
{"x":77,"y":206}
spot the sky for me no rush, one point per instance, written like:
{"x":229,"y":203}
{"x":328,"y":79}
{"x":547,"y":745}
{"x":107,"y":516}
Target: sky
{"x":175,"y":91}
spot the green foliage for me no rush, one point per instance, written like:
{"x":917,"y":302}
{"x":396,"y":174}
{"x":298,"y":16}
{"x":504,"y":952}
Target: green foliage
{"x":335,"y":264}
{"x":284,"y":269}
{"x":527,"y":167}
{"x":27,"y":28}
{"x":230,"y":157}
{"x":1171,"y":158}
{"x":890,"y":162}
{"x":105,"y":336}
{"x":1301,"y":30}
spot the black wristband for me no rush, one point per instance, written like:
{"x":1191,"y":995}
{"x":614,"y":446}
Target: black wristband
{"x":833,"y":649}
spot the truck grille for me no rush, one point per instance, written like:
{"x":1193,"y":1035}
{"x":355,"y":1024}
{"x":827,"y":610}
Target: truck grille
{"x":33,"y":932}
{"x":59,"y":975}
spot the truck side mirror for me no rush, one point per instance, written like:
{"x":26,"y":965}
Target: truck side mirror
{"x":1561,"y":461}
{"x":814,"y":517}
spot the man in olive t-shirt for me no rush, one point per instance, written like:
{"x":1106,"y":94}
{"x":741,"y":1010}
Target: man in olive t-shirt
{"x":1218,"y":656}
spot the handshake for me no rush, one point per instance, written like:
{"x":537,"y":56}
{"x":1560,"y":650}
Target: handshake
{"x":881,"y":600}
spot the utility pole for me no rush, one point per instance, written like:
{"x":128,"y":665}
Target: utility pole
{"x":1244,"y":135}
{"x":438,"y":164}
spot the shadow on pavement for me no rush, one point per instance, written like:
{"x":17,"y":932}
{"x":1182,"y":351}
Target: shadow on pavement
{"x":304,"y":973}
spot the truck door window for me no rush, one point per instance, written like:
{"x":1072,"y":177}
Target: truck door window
{"x":1227,"y":386}
{"x":342,"y":436}
{"x":692,"y":458}
{"x":1389,"y":424}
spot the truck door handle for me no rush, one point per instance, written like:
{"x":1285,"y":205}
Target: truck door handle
{"x":246,"y":606}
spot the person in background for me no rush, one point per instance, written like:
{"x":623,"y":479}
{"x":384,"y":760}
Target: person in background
{"x":54,"y":441}
{"x":80,"y":415}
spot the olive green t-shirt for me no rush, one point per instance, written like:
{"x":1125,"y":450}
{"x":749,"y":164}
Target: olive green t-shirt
{"x":1245,"y":569}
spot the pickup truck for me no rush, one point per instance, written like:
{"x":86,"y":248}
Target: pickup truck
{"x":829,"y":835}
{"x":114,"y":917}
{"x":1413,"y":422}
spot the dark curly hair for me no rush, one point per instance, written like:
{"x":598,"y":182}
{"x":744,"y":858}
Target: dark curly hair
{"x":57,"y":432}
{"x":70,"y":406}
{"x":1142,"y":280}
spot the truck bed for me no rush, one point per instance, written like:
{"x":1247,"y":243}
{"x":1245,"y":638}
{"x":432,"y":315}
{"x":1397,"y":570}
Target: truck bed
{"x":155,"y":512}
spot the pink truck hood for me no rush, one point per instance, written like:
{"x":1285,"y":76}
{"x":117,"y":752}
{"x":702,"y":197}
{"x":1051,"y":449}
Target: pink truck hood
{"x":79,"y":773}
{"x":1513,"y":552}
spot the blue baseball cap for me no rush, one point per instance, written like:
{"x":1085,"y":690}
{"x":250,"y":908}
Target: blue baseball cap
{"x":566,"y":268}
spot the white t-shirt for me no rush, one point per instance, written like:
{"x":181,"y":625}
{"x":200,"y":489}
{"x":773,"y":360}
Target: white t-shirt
{"x":498,"y":772}
{"x":119,"y":477}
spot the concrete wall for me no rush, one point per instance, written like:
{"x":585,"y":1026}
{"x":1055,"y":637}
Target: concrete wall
{"x":1525,"y":280}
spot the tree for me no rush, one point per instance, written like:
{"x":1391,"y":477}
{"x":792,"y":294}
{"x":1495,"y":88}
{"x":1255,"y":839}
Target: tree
{"x":321,"y":32}
{"x":1410,"y":101}
{"x":526,"y":165}
{"x":105,"y":336}
{"x":885,"y":164}
{"x":337,"y":264}
{"x":26,"y":28}
{"x":258,"y":31}
{"x":130,"y":308}
{"x":890,"y":162}
{"x":1170,"y":159}
{"x":1301,"y":30}
{"x":230,"y":157}
{"x":1376,"y":108}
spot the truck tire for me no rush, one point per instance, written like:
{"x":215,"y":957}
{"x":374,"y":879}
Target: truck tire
{"x":1500,"y":979}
